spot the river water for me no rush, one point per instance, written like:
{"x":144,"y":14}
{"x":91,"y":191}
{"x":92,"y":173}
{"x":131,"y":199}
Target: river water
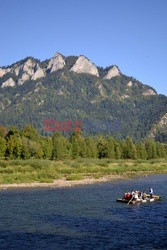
{"x":84,"y":217}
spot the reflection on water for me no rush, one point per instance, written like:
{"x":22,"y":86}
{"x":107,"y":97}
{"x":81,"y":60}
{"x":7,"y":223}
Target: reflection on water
{"x":84,"y":217}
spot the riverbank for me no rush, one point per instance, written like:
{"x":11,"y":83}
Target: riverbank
{"x":62,"y":183}
{"x":45,"y":173}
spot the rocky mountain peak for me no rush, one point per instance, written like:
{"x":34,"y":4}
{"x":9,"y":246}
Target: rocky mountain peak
{"x":26,"y":66}
{"x":57,"y":54}
{"x":114,"y":71}
{"x":57,"y":62}
{"x":84,"y":65}
{"x":28,"y":70}
{"x":122,"y":98}
{"x":31,"y":69}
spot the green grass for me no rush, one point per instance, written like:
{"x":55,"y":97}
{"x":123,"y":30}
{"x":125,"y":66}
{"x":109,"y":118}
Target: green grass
{"x":29,"y":171}
{"x":74,"y":177}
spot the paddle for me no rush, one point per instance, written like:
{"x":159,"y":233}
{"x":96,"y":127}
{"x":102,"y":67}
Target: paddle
{"x":130,"y":200}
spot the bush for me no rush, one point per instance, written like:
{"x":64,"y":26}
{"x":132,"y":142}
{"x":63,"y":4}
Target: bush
{"x":3,"y":164}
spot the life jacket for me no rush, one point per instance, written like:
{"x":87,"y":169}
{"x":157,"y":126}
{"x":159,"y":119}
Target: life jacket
{"x":127,"y":195}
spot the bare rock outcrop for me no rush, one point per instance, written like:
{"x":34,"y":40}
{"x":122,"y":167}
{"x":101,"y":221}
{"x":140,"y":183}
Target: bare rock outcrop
{"x":114,"y":71}
{"x":130,"y":84}
{"x":8,"y":83}
{"x":29,"y":70}
{"x":38,"y":74}
{"x":125,"y":96}
{"x":18,"y":70}
{"x":25,"y":77}
{"x":163,"y":121}
{"x":149,"y":92}
{"x":84,"y":65}
{"x":29,"y":67}
{"x":57,"y":62}
{"x":2,"y":72}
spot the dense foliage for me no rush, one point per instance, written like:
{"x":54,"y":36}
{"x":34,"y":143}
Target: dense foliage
{"x":65,"y":95}
{"x":28,"y":143}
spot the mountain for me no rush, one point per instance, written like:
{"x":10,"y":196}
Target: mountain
{"x":73,"y":88}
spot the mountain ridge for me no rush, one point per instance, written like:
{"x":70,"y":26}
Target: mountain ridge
{"x":74,"y":88}
{"x":111,"y":71}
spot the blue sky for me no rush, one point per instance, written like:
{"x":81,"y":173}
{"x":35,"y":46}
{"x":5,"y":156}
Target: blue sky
{"x":129,"y":33}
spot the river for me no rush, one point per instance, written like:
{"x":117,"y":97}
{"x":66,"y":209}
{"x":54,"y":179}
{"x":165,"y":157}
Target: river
{"x":84,"y":217}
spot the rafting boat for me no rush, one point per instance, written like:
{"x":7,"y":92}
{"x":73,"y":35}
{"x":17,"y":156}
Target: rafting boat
{"x":135,"y":201}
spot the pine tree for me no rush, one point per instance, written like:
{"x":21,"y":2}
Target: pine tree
{"x":60,"y":147}
{"x":160,"y":149}
{"x":82,"y":145}
{"x":129,"y":149}
{"x":47,"y":147}
{"x":14,"y":144}
{"x":101,"y":146}
{"x":150,"y":146}
{"x":141,"y":151}
{"x":78,"y":145}
{"x":18,"y":146}
{"x":110,"y":148}
{"x":75,"y":148}
{"x":118,"y":150}
{"x":10,"y":147}
{"x":91,"y":148}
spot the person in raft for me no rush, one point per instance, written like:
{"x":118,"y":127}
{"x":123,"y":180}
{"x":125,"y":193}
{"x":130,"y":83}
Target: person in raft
{"x":127,"y":195}
{"x":144,"y":195}
{"x":132,"y":193}
{"x":151,"y":192}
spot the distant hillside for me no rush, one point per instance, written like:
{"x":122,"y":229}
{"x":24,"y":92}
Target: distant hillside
{"x":73,"y":88}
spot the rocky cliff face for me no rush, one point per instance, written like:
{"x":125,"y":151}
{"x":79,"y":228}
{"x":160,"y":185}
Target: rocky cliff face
{"x":38,"y":74}
{"x":83,"y":65}
{"x":25,"y":77}
{"x":8,"y":83}
{"x":29,"y":67}
{"x":32,"y":69}
{"x":114,"y":71}
{"x":29,"y":70}
{"x":57,"y":62}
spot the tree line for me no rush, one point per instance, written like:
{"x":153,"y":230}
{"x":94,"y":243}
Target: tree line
{"x":28,"y":143}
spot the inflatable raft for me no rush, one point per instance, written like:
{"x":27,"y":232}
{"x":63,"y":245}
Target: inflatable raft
{"x":139,"y":200}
